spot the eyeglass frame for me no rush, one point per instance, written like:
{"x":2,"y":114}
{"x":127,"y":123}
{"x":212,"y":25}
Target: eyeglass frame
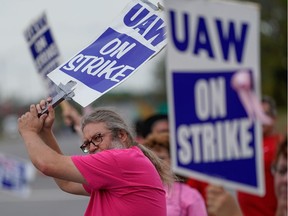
{"x":281,"y":171}
{"x":97,"y":142}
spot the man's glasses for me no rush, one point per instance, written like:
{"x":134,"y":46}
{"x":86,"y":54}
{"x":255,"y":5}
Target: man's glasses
{"x":96,"y":140}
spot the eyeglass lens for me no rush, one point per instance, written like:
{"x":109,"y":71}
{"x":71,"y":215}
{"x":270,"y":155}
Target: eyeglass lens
{"x":96,"y":140}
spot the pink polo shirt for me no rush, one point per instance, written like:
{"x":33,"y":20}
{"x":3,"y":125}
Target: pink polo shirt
{"x":121,"y":182}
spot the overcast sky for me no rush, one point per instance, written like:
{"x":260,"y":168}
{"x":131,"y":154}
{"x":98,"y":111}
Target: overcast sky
{"x":74,"y":24}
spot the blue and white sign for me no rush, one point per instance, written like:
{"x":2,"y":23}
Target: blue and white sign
{"x":211,"y":46}
{"x":16,"y":175}
{"x":136,"y":35}
{"x":43,"y":48}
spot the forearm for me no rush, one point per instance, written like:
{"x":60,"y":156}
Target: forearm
{"x":39,"y":153}
{"x":49,"y":139}
{"x":44,"y":151}
{"x":44,"y":156}
{"x":67,"y":186}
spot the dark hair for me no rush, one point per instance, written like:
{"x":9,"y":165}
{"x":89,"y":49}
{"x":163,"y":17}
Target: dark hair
{"x":138,"y":124}
{"x":148,"y":123}
{"x":156,"y":140}
{"x":281,"y":150}
{"x":272,"y":105}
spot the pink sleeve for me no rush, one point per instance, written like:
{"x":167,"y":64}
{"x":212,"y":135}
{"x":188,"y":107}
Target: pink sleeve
{"x":198,"y":208}
{"x":194,"y":202}
{"x":99,"y":170}
{"x":87,"y":189}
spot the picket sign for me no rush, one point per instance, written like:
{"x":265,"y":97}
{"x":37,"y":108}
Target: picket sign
{"x":211,"y":43}
{"x":43,"y":49}
{"x":135,"y":36}
{"x":16,"y":175}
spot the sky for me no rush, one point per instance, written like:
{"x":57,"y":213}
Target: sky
{"x":74,"y":25}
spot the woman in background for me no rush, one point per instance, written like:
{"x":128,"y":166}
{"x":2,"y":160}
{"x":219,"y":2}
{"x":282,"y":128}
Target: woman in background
{"x":181,"y":199}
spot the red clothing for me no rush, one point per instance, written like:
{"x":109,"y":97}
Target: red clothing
{"x":252,"y":205}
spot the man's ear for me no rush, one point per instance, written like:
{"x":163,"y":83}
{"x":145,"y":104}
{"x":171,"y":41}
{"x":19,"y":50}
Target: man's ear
{"x":122,"y":135}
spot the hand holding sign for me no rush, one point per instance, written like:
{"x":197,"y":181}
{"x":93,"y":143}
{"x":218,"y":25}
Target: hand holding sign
{"x":45,"y":53}
{"x":64,"y":92}
{"x":242,"y":83}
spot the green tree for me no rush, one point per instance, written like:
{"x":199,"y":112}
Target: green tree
{"x":274,"y":50}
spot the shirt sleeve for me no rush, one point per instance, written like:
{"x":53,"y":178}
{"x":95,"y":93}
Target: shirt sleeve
{"x":193,"y":201}
{"x":99,"y":170}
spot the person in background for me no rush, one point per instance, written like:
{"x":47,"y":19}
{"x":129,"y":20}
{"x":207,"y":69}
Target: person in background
{"x":120,"y":176}
{"x":266,"y":205}
{"x":199,"y":185}
{"x":220,"y":202}
{"x":138,"y":124}
{"x":181,"y":200}
{"x":71,"y":117}
{"x":279,"y":171}
{"x":156,"y":123}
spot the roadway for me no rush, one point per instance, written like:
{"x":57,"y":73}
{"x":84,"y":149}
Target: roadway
{"x":45,"y":199}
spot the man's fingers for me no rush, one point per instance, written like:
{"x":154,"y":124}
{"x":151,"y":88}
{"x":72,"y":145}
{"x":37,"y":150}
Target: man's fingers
{"x":51,"y":111}
{"x":33,"y":110}
{"x":43,"y":104}
{"x":42,"y":117}
{"x":49,"y":99}
{"x":38,"y":108}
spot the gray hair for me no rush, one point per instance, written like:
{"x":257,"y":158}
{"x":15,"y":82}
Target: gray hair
{"x":112,"y":120}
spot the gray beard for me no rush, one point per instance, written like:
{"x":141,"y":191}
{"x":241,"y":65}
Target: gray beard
{"x":116,"y":144}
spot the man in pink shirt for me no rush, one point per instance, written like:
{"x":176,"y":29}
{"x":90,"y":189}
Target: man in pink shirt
{"x":120,"y":176}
